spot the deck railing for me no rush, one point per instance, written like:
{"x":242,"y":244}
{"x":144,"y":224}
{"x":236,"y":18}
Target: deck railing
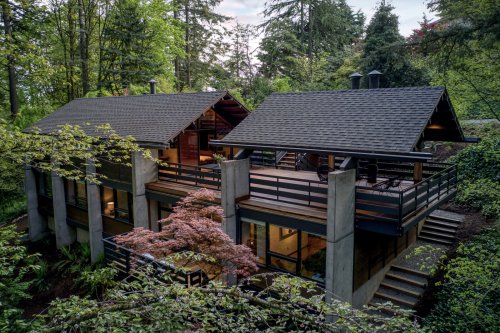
{"x":289,"y":190}
{"x":195,"y":175}
{"x":396,"y":207}
{"x":123,"y":260}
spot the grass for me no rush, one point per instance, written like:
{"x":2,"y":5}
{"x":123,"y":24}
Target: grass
{"x":12,"y":208}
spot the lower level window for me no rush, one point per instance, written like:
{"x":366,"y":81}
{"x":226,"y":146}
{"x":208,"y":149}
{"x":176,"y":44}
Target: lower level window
{"x":286,"y":249}
{"x":116,"y":204}
{"x":76,"y":193}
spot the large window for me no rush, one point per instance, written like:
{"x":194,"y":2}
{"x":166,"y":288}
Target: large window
{"x":254,"y":236}
{"x":76,"y":193}
{"x":116,"y":204}
{"x":286,"y":249}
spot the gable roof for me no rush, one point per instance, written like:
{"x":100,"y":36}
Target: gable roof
{"x":362,"y":120}
{"x":151,"y":118}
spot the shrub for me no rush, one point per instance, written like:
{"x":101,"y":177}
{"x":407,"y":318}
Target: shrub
{"x":98,"y":280}
{"x":468,"y":299}
{"x":483,"y":194}
{"x":478,"y":168}
{"x":14,"y":270}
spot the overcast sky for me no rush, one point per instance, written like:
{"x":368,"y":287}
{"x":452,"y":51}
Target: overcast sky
{"x":410,"y":12}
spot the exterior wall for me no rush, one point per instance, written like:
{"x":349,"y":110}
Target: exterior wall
{"x":82,"y":236}
{"x":143,"y":171}
{"x":170,"y":155}
{"x":373,"y":256}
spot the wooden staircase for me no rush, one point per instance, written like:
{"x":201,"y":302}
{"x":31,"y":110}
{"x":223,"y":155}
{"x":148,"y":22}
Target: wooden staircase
{"x":288,"y":162}
{"x":401,"y":286}
{"x":439,"y":229}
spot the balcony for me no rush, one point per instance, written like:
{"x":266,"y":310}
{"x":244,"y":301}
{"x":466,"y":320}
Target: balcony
{"x":390,"y":205}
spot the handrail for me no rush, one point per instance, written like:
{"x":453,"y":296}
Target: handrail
{"x":197,"y":175}
{"x":186,"y":277}
{"x":397,"y":207}
{"x":297,"y":191}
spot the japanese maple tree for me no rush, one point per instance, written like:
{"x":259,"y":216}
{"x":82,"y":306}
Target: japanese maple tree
{"x":194,"y":227}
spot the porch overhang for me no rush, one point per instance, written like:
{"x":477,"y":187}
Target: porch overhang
{"x":391,"y":156}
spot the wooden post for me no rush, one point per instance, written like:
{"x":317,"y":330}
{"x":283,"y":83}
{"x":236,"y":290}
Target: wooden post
{"x":331,"y":163}
{"x":417,"y":172}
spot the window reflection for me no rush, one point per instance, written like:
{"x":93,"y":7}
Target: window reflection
{"x":313,"y":255}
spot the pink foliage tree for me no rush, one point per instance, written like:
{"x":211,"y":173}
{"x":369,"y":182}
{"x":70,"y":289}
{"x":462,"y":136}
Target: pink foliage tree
{"x":194,"y":226}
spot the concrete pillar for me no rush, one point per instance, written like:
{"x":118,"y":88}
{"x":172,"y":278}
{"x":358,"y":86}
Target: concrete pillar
{"x":143,"y":171}
{"x":94,"y":215}
{"x":235,"y":184}
{"x":153,"y":215}
{"x":340,"y":234}
{"x":36,"y":222}
{"x":65,"y":234}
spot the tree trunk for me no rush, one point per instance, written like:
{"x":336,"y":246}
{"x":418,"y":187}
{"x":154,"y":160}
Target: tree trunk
{"x":11,"y":71}
{"x":83,"y":48}
{"x":71,"y":49}
{"x":188,"y":55}
{"x":177,"y":59}
{"x":310,"y":47}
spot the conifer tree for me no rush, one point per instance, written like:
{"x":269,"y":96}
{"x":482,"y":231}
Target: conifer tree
{"x":384,"y":51}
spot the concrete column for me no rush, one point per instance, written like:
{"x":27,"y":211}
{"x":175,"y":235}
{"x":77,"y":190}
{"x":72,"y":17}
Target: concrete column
{"x":94,"y":216}
{"x":36,"y":222}
{"x":143,"y":171}
{"x":65,"y":234}
{"x":153,"y":215}
{"x":340,"y":234}
{"x":235,"y":184}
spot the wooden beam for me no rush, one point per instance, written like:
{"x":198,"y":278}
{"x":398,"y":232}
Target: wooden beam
{"x":417,"y":172}
{"x":331,"y":162}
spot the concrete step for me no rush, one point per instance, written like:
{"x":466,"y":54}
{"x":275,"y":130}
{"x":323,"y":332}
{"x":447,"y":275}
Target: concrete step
{"x":410,"y":271}
{"x":435,"y":240}
{"x":397,"y":298}
{"x":286,"y":167}
{"x":435,"y":234}
{"x":406,"y":278}
{"x":451,"y":225}
{"x":407,"y":291}
{"x":445,"y":219}
{"x":445,"y":230}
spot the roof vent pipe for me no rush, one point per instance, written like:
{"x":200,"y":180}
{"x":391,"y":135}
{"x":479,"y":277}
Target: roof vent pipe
{"x":152,"y":87}
{"x":355,"y":80}
{"x":374,"y":79}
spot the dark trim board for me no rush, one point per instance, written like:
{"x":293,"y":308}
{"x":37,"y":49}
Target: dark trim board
{"x":282,"y":221}
{"x":76,"y":224}
{"x":117,"y":185}
{"x":162,"y":197}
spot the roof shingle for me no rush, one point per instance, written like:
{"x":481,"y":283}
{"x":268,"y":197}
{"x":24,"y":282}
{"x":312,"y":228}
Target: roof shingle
{"x":148,"y":118}
{"x":368,"y":120}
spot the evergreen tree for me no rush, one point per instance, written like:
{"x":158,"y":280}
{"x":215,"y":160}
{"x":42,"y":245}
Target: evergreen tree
{"x":312,"y":28}
{"x":127,"y":51}
{"x":384,"y":50}
{"x":204,"y":42}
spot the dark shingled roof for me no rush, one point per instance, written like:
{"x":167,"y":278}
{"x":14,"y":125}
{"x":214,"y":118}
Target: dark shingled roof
{"x":365,"y":120}
{"x":148,"y":118}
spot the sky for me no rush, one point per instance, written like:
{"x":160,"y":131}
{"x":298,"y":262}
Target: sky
{"x":410,"y":12}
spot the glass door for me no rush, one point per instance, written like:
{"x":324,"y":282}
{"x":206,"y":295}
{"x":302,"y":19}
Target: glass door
{"x":283,"y":245}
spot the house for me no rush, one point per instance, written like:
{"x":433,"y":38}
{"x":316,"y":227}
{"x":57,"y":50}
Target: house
{"x":331,"y":186}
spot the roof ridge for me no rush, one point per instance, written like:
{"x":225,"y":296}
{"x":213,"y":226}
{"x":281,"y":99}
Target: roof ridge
{"x":158,"y":94}
{"x":356,"y":90}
